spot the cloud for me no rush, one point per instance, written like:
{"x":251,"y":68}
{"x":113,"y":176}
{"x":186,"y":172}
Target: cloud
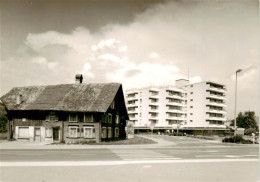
{"x":154,"y":55}
{"x":155,"y":49}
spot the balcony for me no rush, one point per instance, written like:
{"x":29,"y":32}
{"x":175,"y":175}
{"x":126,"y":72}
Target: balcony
{"x":211,"y":103}
{"x":216,"y":118}
{"x":174,"y":97}
{"x":216,"y":111}
{"x":153,"y":96}
{"x":153,"y":111}
{"x":175,"y":111}
{"x":213,"y":96}
{"x":133,"y":112}
{"x":132,"y":105}
{"x":175,"y":90}
{"x":169,"y":103}
{"x":221,"y":90}
{"x":175,"y":118}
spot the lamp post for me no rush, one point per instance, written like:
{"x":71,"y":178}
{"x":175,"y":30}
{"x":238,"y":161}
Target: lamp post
{"x":235,"y":120}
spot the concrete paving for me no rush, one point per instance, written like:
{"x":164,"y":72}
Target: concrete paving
{"x":171,"y":159}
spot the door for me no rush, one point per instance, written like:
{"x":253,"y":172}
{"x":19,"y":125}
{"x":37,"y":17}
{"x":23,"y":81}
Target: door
{"x":56,"y":132}
{"x":23,"y":132}
{"x":37,"y":134}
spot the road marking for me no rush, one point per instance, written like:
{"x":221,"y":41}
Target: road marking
{"x":232,"y":156}
{"x":29,"y":154}
{"x":105,"y":163}
{"x":208,"y":155}
{"x":142,"y":155}
{"x":250,"y":155}
{"x":150,"y":158}
{"x":82,"y":154}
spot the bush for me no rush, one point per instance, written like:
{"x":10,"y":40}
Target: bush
{"x":236,"y":139}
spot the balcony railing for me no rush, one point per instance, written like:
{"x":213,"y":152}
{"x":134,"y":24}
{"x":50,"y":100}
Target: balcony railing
{"x":222,"y":90}
{"x":132,"y":111}
{"x":212,"y":103}
{"x":175,"y":97}
{"x":216,"y":118}
{"x":174,"y":103}
{"x":177,"y":118}
{"x":216,"y":111}
{"x":213,"y":96}
{"x":175,"y":111}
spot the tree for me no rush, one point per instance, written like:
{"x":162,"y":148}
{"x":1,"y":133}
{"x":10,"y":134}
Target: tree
{"x":3,"y":119}
{"x":3,"y":122}
{"x":246,"y":120}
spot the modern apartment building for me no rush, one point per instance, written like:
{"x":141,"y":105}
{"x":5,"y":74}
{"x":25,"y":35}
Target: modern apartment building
{"x":156,"y":107}
{"x":188,"y":107}
{"x":205,"y":105}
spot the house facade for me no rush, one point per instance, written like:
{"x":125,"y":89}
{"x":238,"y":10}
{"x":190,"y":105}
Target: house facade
{"x":69,"y":113}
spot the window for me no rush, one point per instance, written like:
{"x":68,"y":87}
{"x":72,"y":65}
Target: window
{"x":73,"y":117}
{"x":109,"y":132}
{"x":191,"y":114}
{"x":104,"y":132}
{"x":73,"y":131}
{"x":116,"y":132}
{"x":191,"y":120}
{"x":112,"y":105}
{"x":191,"y":85}
{"x":48,"y":132}
{"x":52,"y":116}
{"x":109,"y":118}
{"x":89,"y":132}
{"x":117,"y":119}
{"x":104,"y":118}
{"x":191,"y":93}
{"x":140,"y":114}
{"x":89,"y":118}
{"x":191,"y":106}
{"x":191,"y":100}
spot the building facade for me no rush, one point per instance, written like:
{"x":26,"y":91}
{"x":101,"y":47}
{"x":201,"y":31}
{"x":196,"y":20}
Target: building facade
{"x":188,"y":107}
{"x":69,"y":113}
{"x":156,"y":108}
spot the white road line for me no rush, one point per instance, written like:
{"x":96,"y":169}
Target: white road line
{"x":232,"y":156}
{"x":105,"y":163}
{"x":143,"y":156}
{"x":29,"y":154}
{"x":251,"y":155}
{"x":209,"y":155}
{"x":82,"y":154}
{"x":155,"y":159}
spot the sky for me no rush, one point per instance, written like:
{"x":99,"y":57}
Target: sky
{"x":135,"y":42}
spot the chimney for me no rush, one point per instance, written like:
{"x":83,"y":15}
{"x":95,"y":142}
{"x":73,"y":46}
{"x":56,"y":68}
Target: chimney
{"x":18,"y":99}
{"x":79,"y":78}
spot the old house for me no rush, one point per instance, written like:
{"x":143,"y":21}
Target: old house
{"x":67,"y":113}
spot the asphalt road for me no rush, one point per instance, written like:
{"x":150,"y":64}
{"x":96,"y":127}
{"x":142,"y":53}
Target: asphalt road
{"x":183,"y":159}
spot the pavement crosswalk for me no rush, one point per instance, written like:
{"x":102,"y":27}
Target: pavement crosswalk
{"x":129,"y":155}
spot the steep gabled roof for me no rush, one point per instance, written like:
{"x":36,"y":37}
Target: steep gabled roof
{"x":94,"y":97}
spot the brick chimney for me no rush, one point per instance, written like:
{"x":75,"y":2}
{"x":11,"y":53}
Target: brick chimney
{"x":79,"y":78}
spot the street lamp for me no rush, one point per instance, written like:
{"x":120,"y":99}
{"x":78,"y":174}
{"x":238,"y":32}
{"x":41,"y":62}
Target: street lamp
{"x":235,"y":121}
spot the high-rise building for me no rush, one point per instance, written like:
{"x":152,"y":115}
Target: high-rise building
{"x":189,"y":107}
{"x":206,"y":105}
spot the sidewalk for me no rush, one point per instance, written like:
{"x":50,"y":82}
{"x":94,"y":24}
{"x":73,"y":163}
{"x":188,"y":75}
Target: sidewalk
{"x":4,"y":144}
